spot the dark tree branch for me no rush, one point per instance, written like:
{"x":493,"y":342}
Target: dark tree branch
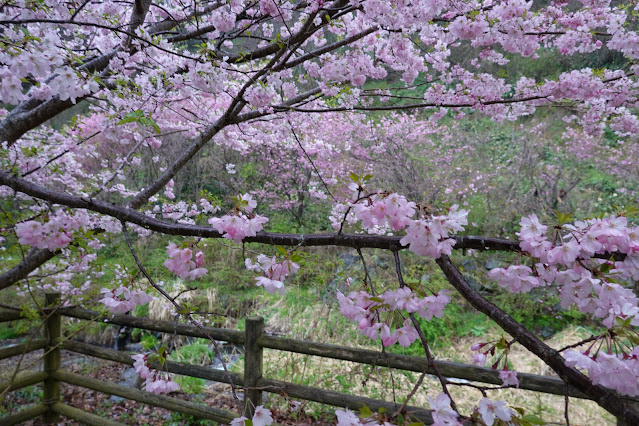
{"x":606,"y":398}
{"x":133,"y":216}
{"x":33,"y":260}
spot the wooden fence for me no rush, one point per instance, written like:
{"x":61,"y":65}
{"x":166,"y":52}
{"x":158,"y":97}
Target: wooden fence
{"x":252,"y":381}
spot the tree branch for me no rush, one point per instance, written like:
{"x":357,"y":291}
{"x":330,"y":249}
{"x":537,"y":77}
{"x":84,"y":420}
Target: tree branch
{"x":133,"y":216}
{"x":33,"y":260}
{"x":606,"y":398}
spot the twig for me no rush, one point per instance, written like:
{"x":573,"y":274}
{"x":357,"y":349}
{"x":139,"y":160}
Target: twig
{"x":181,"y":310}
{"x":429,"y":355}
{"x":410,"y":395}
{"x":583,"y":342}
{"x":367,"y":276}
{"x":310,"y":160}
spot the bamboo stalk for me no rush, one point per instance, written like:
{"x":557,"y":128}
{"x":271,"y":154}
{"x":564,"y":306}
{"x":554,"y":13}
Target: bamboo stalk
{"x":170,"y":366}
{"x":82,"y":416}
{"x":23,"y":415}
{"x":232,"y":336}
{"x":23,"y":348}
{"x":173,"y":404}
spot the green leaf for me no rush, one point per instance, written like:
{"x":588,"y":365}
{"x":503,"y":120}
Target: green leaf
{"x":281,"y":250}
{"x":533,"y":420}
{"x":563,"y":218}
{"x":365,"y":412}
{"x":501,"y":344}
{"x":354,"y":177}
{"x":139,"y":117}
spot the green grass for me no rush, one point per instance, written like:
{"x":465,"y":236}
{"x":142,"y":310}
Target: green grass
{"x":198,"y":353}
{"x":11,"y":330}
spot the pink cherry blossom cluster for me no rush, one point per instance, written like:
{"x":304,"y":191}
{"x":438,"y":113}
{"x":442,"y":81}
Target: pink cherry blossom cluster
{"x":182,"y":211}
{"x":241,"y":224}
{"x":53,"y":234}
{"x":379,"y":213}
{"x":366,"y":310}
{"x":122,"y":300}
{"x":591,"y":284}
{"x":261,"y":417}
{"x":500,"y":348}
{"x":615,"y":371}
{"x":274,"y":272}
{"x":487,"y":410}
{"x":490,"y":410}
{"x":154,"y":379}
{"x":431,"y":237}
{"x":516,"y":278}
{"x":181,"y":262}
{"x":379,"y":210}
{"x":348,"y":418}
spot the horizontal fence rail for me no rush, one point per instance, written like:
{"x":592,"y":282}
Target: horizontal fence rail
{"x":254,"y":340}
{"x":23,"y":381}
{"x":170,"y":366}
{"x":6,"y":316}
{"x":173,"y":404}
{"x":23,"y":348}
{"x":231,"y":336}
{"x":527,"y":381}
{"x":533,"y":382}
{"x":24,"y":415}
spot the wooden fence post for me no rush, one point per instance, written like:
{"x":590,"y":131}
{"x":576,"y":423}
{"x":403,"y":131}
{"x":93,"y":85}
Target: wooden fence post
{"x":53,"y":325}
{"x":252,"y":365}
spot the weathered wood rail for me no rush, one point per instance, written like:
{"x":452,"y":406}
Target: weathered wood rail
{"x":252,"y":381}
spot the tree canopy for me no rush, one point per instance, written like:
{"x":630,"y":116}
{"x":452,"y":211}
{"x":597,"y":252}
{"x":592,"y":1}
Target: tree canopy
{"x":127,"y":117}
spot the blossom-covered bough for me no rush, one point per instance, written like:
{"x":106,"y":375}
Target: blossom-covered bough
{"x":150,"y":84}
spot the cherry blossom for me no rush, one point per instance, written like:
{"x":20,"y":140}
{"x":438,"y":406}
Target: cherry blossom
{"x":509,"y":378}
{"x":262,"y":417}
{"x":347,"y":418}
{"x":184,"y":71}
{"x":241,"y":224}
{"x":274,"y":272}
{"x":122,"y":300}
{"x":443,"y":414}
{"x":181,"y":262}
{"x":430,"y":237}
{"x":489,"y":410}
{"x":154,"y":381}
{"x":367,"y":311}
